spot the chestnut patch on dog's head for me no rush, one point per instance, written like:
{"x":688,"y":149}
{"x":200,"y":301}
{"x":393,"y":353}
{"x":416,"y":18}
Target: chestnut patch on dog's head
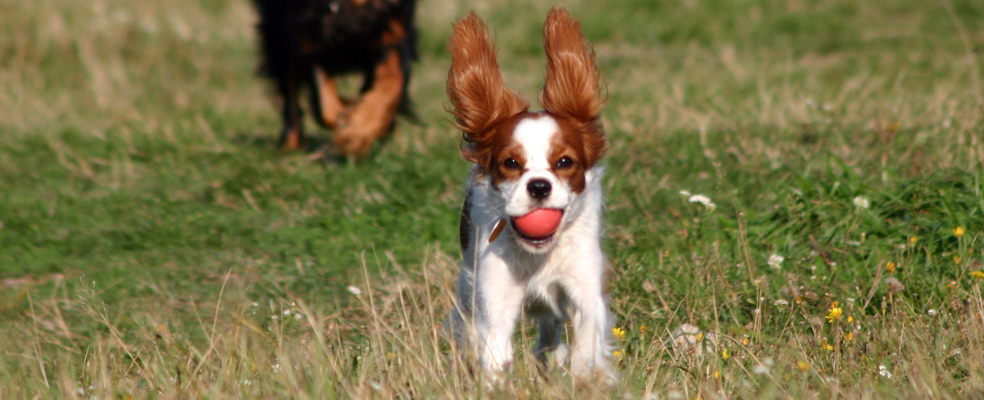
{"x":507,"y":158}
{"x":488,"y":113}
{"x":574,"y":151}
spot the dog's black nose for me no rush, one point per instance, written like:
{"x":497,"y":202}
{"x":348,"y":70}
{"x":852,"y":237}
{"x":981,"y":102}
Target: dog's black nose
{"x":538,"y":188}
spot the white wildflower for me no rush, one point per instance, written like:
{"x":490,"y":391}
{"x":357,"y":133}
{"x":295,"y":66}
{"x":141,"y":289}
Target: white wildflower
{"x":781,"y":303}
{"x":760,"y":369}
{"x":894,"y":284}
{"x":931,"y":312}
{"x":706,"y":201}
{"x":685,"y":193}
{"x":775,"y":261}
{"x":861,"y":203}
{"x":354,"y":290}
{"x":883,"y":371}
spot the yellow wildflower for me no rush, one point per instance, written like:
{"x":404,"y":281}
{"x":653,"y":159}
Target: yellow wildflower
{"x":850,"y":318}
{"x":642,"y":329}
{"x":827,"y":346}
{"x":977,"y":274}
{"x":913,"y":240}
{"x":619,"y":333}
{"x":618,"y":354}
{"x":890,"y":266}
{"x":958,"y":231}
{"x":700,"y":336}
{"x":951,"y":284}
{"x":834,"y":314}
{"x":849,"y":336}
{"x":803,"y":365}
{"x":956,"y":259}
{"x":725,"y":355}
{"x":745,"y":341}
{"x":717,"y":374}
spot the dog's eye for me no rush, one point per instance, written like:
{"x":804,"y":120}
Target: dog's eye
{"x":564,"y":163}
{"x":511,"y":163}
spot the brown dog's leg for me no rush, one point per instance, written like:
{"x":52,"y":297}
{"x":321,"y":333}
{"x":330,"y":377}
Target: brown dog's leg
{"x":329,"y":104}
{"x":292,"y":136}
{"x":372,"y":116}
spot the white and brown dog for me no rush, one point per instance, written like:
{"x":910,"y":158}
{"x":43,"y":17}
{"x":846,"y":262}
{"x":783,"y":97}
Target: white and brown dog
{"x":531,"y":222}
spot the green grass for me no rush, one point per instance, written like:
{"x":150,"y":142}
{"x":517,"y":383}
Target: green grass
{"x":151,"y":239}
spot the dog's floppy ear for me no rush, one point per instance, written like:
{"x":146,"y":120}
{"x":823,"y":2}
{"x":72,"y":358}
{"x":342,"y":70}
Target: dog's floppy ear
{"x":478,"y":97}
{"x":573,"y":87}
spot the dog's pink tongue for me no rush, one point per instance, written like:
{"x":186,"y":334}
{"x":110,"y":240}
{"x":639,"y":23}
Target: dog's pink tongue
{"x":539,"y":223}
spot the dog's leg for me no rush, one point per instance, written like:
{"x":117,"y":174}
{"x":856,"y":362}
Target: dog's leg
{"x":499,"y":303}
{"x":329,"y":105}
{"x":373,"y":115}
{"x":551,"y":331}
{"x":292,"y":136}
{"x":591,"y":347}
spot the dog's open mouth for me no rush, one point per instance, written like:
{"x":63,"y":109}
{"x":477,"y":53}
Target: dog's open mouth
{"x":538,"y":226}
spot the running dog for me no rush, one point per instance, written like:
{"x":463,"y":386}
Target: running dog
{"x":307,"y":43}
{"x":531,"y":223}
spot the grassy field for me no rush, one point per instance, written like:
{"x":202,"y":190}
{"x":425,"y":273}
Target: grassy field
{"x":153,"y":244}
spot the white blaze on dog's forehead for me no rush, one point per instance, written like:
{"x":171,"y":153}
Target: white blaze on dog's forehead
{"x":535,"y":135}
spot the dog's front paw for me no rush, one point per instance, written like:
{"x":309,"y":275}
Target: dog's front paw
{"x":356,"y":133}
{"x":291,"y":139}
{"x":352,"y":144}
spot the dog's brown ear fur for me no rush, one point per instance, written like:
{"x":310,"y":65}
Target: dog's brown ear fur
{"x":478,"y":97}
{"x":572,"y":88}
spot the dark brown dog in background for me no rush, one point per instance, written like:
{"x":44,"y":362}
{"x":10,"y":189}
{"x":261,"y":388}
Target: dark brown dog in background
{"x":307,"y":43}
